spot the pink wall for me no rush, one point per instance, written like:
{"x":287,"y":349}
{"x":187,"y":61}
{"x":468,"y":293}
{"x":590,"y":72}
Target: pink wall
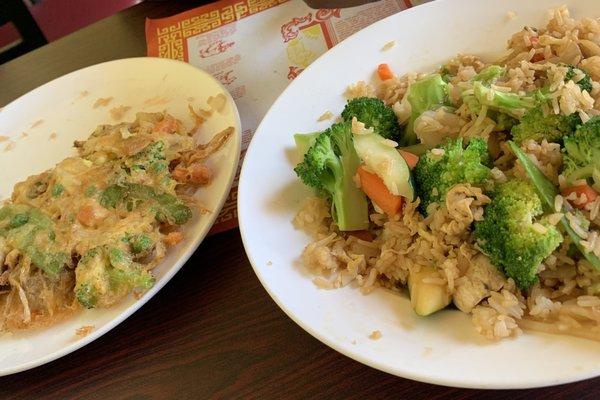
{"x":58,"y":18}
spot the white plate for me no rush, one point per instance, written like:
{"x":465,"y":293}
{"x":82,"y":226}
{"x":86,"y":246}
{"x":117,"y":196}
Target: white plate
{"x":443,"y":348}
{"x":144,"y":84}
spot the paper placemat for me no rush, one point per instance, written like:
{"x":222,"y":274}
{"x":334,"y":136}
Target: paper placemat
{"x":255,"y":48}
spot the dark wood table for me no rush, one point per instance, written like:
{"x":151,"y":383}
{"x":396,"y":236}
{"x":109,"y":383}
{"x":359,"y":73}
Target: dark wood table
{"x":212,"y":332}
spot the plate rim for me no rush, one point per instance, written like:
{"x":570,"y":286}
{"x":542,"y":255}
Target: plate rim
{"x":139,"y":303}
{"x":337,"y":345}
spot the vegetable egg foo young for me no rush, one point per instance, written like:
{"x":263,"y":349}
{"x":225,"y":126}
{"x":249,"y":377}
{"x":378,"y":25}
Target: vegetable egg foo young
{"x":473,"y":186}
{"x":89,"y":231}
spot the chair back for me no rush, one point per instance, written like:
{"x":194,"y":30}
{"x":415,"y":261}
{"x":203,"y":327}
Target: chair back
{"x":32,"y":37}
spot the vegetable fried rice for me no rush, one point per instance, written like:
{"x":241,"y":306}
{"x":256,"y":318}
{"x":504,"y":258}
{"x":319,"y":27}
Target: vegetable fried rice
{"x":474,"y":186}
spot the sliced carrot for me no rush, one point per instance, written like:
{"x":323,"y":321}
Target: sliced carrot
{"x":585,"y":195}
{"x":376,"y":190}
{"x":534,"y":40}
{"x":384,"y":72}
{"x":134,"y":144}
{"x":410,"y":158}
{"x":166,"y":125}
{"x":537,"y":57}
{"x":362,"y":235}
{"x":172,"y":238}
{"x":197,"y":173}
{"x":91,"y":213}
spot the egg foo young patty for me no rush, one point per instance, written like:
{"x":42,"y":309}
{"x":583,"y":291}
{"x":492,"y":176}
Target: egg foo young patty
{"x":89,"y":231}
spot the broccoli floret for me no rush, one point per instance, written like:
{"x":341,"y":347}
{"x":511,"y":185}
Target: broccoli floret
{"x":36,"y":189}
{"x":445,"y":74}
{"x":374,"y":113}
{"x":118,"y":258}
{"x":86,"y":295}
{"x":503,"y":101}
{"x":140,"y":243}
{"x":135,"y":278}
{"x":582,"y":153}
{"x":57,"y":190}
{"x":91,"y":191}
{"x":427,"y":93}
{"x":534,"y":124}
{"x":537,"y":126}
{"x":435,"y":174}
{"x":584,"y":83}
{"x":18,"y":220}
{"x":137,"y":192}
{"x":125,"y":273}
{"x":167,"y":206}
{"x":112,"y":196}
{"x":514,"y":104}
{"x":504,"y":122}
{"x":28,"y":229}
{"x":50,"y":263}
{"x":106,"y":274}
{"x":489,"y":74}
{"x":329,"y":166}
{"x":508,"y":236}
{"x":152,"y":158}
{"x":303,"y":142}
{"x":483,"y":93}
{"x":171,"y":209}
{"x":547,"y":192}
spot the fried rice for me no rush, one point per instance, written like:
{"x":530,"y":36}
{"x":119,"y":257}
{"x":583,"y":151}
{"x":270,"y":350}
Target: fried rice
{"x":565,"y":300}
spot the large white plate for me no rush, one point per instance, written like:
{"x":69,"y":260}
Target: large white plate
{"x":144,"y":84}
{"x":443,"y":348}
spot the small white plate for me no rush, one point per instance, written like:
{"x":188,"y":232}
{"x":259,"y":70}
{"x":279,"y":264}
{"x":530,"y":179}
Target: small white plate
{"x":65,"y":108}
{"x":443,"y":348}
